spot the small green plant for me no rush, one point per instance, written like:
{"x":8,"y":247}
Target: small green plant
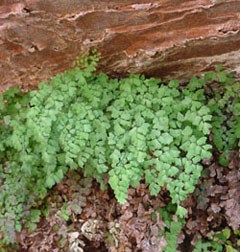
{"x":173,"y":226}
{"x":64,"y":214}
{"x":220,"y":241}
{"x":206,"y":246}
{"x":224,"y":103}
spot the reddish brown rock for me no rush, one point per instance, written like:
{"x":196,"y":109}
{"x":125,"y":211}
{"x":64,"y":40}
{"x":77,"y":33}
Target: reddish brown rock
{"x":164,"y":38}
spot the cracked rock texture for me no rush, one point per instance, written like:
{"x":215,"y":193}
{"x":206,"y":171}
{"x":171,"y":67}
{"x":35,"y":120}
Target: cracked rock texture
{"x":163,"y":38}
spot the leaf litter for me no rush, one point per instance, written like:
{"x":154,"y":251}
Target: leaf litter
{"x":83,"y":218}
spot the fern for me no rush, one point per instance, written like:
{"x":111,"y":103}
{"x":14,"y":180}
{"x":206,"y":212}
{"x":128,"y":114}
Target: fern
{"x":127,"y":129}
{"x":173,"y":227}
{"x":219,"y":241}
{"x":202,"y":246}
{"x":224,"y":104}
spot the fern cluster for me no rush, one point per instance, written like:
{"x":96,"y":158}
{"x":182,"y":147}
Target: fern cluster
{"x":118,"y":131}
{"x":127,"y":129}
{"x":224,"y":103}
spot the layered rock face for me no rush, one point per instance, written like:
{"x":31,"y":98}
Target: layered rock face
{"x":163,"y":38}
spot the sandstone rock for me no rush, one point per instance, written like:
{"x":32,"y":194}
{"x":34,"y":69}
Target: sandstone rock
{"x":164,"y":38}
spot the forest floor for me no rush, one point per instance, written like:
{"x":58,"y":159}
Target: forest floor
{"x":82,"y":217}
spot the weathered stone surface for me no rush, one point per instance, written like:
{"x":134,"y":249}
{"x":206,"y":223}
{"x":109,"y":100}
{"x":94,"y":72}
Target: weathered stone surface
{"x":164,"y":38}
